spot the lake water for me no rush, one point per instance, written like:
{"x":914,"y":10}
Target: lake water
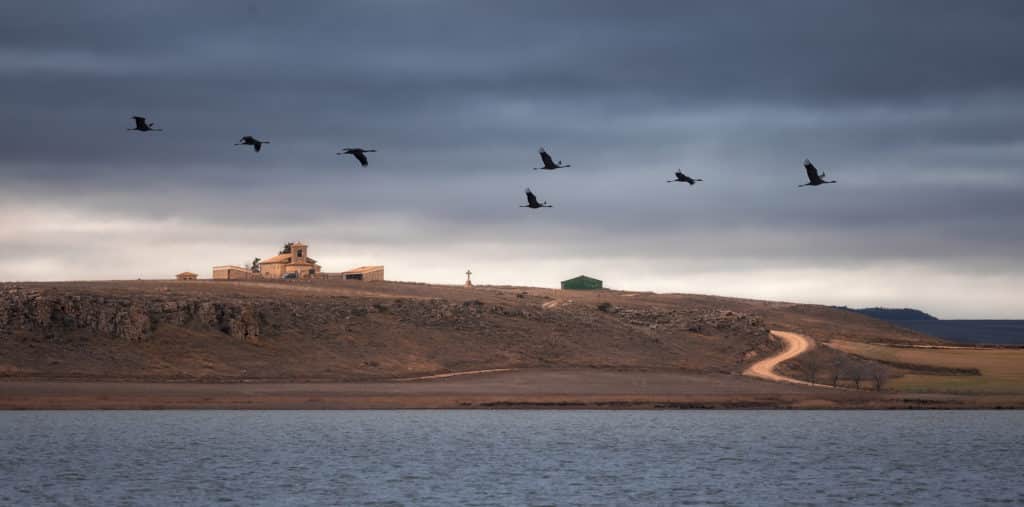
{"x":511,"y":457}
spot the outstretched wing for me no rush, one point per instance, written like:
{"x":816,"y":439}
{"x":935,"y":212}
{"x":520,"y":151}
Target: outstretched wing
{"x":812,"y":172}
{"x":361,"y":157}
{"x":257,"y":145}
{"x":531,"y":199}
{"x":544,"y":157}
{"x":140,"y":122}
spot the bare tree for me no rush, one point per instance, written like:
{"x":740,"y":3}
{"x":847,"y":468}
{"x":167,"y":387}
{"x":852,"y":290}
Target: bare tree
{"x":855,"y":372}
{"x":255,"y":265}
{"x":810,"y":365}
{"x":880,"y":374}
{"x":287,"y":248}
{"x":839,"y":366}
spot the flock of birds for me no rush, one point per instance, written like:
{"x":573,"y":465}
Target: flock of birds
{"x":141,"y":125}
{"x":814,"y":177}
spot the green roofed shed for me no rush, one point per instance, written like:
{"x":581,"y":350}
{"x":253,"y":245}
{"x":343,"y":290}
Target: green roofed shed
{"x":582,"y":282}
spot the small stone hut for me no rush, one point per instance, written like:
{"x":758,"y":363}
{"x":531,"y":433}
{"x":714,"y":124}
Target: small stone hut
{"x":232,"y":273}
{"x":365,"y":273}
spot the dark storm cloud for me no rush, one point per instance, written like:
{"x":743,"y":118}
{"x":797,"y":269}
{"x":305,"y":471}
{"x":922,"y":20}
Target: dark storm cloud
{"x":910,"y":105}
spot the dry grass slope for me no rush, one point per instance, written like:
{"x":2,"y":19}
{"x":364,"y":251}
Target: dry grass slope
{"x":165,"y":344}
{"x":345,"y":331}
{"x":1002,"y":370}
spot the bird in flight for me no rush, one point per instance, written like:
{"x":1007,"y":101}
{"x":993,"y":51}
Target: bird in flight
{"x":531,"y":201}
{"x":813,"y":176}
{"x":142,"y":126}
{"x":684,"y":178}
{"x":549,"y":164}
{"x":359,"y":154}
{"x":251,"y":141}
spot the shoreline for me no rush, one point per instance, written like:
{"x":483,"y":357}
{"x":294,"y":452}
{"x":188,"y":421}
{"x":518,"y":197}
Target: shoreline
{"x":555,"y":389}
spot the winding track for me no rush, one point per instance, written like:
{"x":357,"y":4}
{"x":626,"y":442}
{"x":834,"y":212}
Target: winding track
{"x":796,"y":344}
{"x":764,"y":369}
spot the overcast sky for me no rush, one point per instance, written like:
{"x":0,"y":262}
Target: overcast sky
{"x":914,"y":107}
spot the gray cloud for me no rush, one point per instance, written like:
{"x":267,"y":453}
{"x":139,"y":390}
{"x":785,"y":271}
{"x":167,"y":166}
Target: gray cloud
{"x":909,"y":105}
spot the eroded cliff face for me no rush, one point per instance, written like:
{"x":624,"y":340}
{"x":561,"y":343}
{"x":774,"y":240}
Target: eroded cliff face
{"x":133,"y":319}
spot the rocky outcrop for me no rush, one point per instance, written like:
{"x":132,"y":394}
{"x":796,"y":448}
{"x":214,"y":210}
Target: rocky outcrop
{"x":66,"y":311}
{"x":127,"y":318}
{"x":134,"y":317}
{"x":693,"y":320}
{"x":213,"y":330}
{"x":435,"y":312}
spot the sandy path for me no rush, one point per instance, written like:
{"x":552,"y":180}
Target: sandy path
{"x":796,"y":344}
{"x":452,"y":374}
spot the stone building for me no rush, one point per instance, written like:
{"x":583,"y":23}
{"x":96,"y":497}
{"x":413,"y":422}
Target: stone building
{"x":293,"y":261}
{"x":232,"y":273}
{"x":186,"y":275}
{"x":365,"y":273}
{"x":293,"y":258}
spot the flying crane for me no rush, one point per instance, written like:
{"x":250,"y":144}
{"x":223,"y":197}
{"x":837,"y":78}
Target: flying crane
{"x":814,"y":178}
{"x":142,"y":126}
{"x":549,"y":163}
{"x":359,"y":154}
{"x":531,"y":201}
{"x":680,"y":177}
{"x":251,"y":141}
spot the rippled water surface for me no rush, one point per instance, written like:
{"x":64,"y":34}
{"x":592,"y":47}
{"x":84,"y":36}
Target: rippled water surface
{"x":511,"y":457}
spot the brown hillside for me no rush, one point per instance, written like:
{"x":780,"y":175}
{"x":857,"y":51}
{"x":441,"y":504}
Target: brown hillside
{"x":168,"y":330}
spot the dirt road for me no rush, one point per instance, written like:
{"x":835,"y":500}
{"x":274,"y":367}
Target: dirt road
{"x":796,"y":344}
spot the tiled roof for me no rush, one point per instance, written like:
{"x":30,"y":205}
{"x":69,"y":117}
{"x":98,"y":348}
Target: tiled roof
{"x":280,"y":258}
{"x":287,"y":259}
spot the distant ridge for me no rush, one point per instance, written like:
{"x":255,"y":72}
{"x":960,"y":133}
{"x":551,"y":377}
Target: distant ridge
{"x":991,"y":332}
{"x":892,"y":314}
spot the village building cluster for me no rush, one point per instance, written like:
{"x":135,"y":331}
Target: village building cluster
{"x":293,"y":263}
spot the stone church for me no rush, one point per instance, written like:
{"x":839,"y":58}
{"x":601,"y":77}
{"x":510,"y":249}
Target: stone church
{"x":294,"y":258}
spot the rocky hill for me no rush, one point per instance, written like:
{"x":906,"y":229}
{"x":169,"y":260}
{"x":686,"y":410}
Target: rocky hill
{"x":164,"y":330}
